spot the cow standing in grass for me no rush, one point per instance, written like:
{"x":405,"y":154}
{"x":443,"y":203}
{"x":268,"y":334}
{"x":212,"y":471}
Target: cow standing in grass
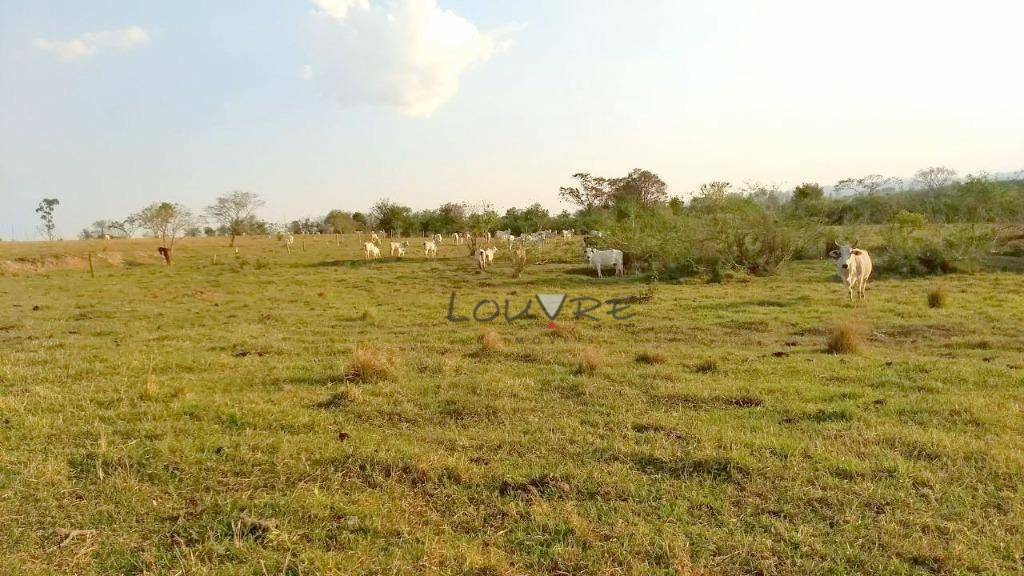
{"x":853,"y":266}
{"x":370,"y":250}
{"x":601,"y":258}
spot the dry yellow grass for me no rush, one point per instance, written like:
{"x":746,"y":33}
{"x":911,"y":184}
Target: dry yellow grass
{"x":368,"y":365}
{"x":938,"y":297}
{"x":491,"y":341}
{"x":590,"y":360}
{"x":847,"y":338}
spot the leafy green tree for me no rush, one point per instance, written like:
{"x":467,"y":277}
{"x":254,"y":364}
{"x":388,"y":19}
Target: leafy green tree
{"x":641,"y":187}
{"x":392,"y":217}
{"x":808,"y":192}
{"x":339,"y":222}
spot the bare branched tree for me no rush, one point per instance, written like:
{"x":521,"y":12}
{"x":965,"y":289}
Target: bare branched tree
{"x":235,"y":212}
{"x":868,"y":185}
{"x":935,"y":178}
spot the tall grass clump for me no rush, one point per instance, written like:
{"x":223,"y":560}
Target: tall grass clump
{"x":937,"y":297}
{"x":847,"y":338}
{"x":491,"y":341}
{"x":590,"y":360}
{"x":368,"y":365}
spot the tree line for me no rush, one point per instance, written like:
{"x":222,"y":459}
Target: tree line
{"x":936,"y":193}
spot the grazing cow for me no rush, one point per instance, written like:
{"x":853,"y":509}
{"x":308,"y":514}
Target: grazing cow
{"x":370,"y":250}
{"x":485,"y":257}
{"x":288,"y":241}
{"x":601,"y":258}
{"x":430,"y":249}
{"x":399,"y":248}
{"x":853,"y":266}
{"x":456,"y":238}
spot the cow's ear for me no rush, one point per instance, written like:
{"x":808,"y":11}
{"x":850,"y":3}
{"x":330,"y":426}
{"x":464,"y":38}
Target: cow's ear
{"x":856,"y":252}
{"x":833,"y":254}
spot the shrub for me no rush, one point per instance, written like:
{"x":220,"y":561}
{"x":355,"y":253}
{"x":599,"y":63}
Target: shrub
{"x":911,"y":250}
{"x":590,"y":360}
{"x":846,"y":338}
{"x":368,"y":365}
{"x":937,"y":297}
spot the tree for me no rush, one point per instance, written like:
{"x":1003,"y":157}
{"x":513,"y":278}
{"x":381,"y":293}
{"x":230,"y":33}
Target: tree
{"x":99,"y":229}
{"x":868,"y":185}
{"x":935,"y":178}
{"x":714,"y":191}
{"x":126,"y":228}
{"x":235,"y":211}
{"x":340,"y":222}
{"x":45,"y":211}
{"x":166,"y":221}
{"x":641,"y":187}
{"x":592,"y":192}
{"x":808,"y":192}
{"x":452,"y":217}
{"x":392,"y":217}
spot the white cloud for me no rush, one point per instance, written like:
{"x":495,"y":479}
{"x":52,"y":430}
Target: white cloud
{"x":92,"y":42}
{"x":339,"y":8}
{"x":408,"y":54}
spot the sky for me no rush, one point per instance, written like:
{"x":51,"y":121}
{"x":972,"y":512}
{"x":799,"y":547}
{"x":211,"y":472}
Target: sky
{"x":320,"y":104}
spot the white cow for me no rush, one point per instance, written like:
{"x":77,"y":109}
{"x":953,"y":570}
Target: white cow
{"x":430,"y":248}
{"x":456,"y":238}
{"x":399,"y":248}
{"x":601,"y":258}
{"x":567,"y":234}
{"x":370,"y":250}
{"x":502,"y":235}
{"x":853,"y":266}
{"x":486,"y":257}
{"x":374,"y":238}
{"x":438,"y":239}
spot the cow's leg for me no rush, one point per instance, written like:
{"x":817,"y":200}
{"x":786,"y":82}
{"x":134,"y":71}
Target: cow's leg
{"x":599,"y":271}
{"x":849,"y":288}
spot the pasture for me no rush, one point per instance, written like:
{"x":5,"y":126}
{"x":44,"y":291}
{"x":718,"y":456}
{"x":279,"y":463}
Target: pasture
{"x":207,"y":418}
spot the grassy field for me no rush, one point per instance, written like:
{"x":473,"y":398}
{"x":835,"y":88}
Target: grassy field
{"x":311,"y":413}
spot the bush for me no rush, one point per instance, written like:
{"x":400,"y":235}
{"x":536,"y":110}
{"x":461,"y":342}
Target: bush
{"x":937,"y":297}
{"x":847,"y":338}
{"x":730,"y":235}
{"x":913,"y":250}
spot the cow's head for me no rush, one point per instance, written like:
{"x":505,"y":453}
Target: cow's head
{"x":845,"y":258}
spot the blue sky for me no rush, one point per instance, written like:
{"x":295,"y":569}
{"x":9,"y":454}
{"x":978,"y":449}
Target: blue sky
{"x":326,"y":104}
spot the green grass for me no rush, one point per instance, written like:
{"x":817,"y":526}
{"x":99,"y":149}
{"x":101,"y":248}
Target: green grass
{"x":202,"y":419}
